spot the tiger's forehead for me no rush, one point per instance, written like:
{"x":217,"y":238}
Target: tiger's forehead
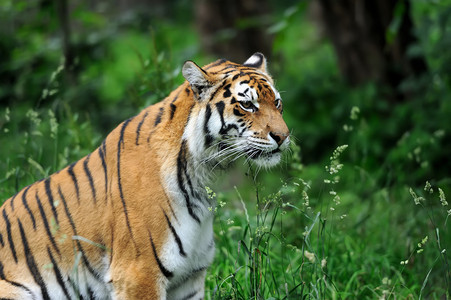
{"x":247,"y":83}
{"x":229,"y":69}
{"x":254,"y":88}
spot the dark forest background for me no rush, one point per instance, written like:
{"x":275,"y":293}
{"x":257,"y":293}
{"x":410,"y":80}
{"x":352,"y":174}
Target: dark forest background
{"x":372,"y":75}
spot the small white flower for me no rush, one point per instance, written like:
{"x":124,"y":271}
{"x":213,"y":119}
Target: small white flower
{"x":428,"y":187}
{"x":310,"y":256}
{"x":417,"y":200}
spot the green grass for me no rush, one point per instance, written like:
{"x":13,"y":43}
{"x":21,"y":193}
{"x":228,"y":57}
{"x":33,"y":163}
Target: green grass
{"x":314,"y":237}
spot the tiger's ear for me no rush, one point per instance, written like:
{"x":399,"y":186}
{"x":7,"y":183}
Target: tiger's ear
{"x":197,"y":77}
{"x":257,"y":61}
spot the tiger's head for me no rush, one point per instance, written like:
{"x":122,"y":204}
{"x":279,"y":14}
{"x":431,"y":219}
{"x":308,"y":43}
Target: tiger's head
{"x":238,"y":112}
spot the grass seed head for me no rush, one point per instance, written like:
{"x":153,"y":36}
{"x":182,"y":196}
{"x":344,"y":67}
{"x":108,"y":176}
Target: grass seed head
{"x":442,"y":197}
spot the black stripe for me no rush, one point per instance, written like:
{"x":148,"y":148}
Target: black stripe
{"x":138,"y":129}
{"x":188,"y":276}
{"x":10,"y":237}
{"x":25,"y":204}
{"x":200,"y":88}
{"x":189,"y":296}
{"x":66,"y":209}
{"x":70,"y":170}
{"x":208,"y":137}
{"x":104,"y":147}
{"x":173,"y":108}
{"x":227,"y":67}
{"x":227,"y":93}
{"x":12,"y":201}
{"x":269,"y":89}
{"x":218,"y":89}
{"x":228,"y":73}
{"x":172,"y":210}
{"x":32,"y":264}
{"x":91,"y":181}
{"x":197,"y":270}
{"x":166,"y":272}
{"x":1,"y":240}
{"x":112,"y":244}
{"x":90,"y":294}
{"x":191,"y":189}
{"x":2,"y":272}
{"x":237,"y":113}
{"x":251,"y":72}
{"x":58,"y":275}
{"x":13,"y":283}
{"x":120,"y":145}
{"x":189,"y":115}
{"x":46,"y":224}
{"x":176,"y":236}
{"x":224,"y":128}
{"x":220,"y":107}
{"x":102,"y":159}
{"x":74,"y":229}
{"x":181,"y":170}
{"x":160,"y":114}
{"x":48,"y":192}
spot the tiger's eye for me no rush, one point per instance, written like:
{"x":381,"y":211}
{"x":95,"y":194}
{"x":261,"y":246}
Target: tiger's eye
{"x":246,"y":105}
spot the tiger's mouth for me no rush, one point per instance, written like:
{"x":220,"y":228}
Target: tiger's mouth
{"x":261,"y":157}
{"x":264,"y":158}
{"x":254,"y":153}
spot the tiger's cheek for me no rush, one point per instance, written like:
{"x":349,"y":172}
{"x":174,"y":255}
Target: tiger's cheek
{"x":243,"y":126}
{"x":235,"y":124}
{"x":214,"y":124}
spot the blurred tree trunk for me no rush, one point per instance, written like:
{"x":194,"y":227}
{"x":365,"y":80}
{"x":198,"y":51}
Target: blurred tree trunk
{"x":62,"y":9}
{"x":233,"y":29}
{"x":371,"y":39}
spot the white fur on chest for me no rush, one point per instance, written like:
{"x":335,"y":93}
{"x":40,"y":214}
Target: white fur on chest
{"x":198,"y":246}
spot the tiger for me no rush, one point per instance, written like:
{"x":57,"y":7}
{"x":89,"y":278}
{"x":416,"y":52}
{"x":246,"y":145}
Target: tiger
{"x":133,"y":219}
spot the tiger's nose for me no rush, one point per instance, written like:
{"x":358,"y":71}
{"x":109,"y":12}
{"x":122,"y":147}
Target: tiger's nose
{"x":278,"y":137}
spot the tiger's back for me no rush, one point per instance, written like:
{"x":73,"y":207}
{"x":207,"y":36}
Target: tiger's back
{"x":131,"y":220}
